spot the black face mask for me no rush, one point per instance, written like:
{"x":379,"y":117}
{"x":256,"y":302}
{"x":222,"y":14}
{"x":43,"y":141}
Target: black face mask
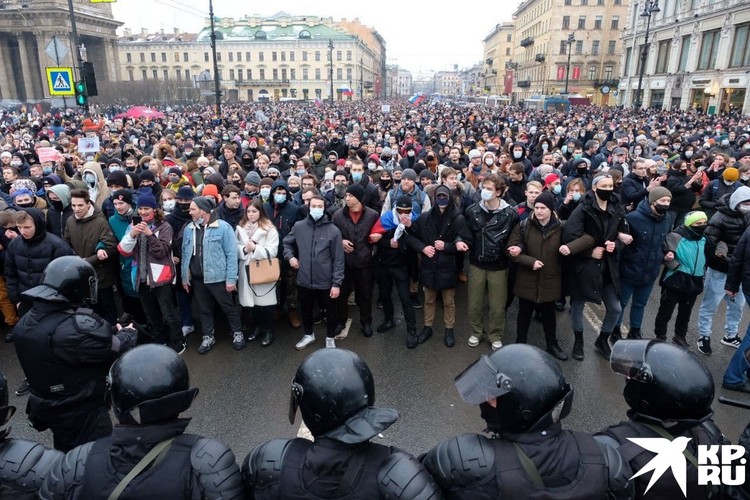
{"x":25,"y":205}
{"x":397,"y":181}
{"x":698,"y":230}
{"x":385,"y":183}
{"x":182,"y":208}
{"x":604,"y":194}
{"x":293,"y":189}
{"x":490,"y":416}
{"x":57,"y":204}
{"x":661,"y":209}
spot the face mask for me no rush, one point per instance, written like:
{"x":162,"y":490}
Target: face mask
{"x":385,"y":159}
{"x":294,"y":189}
{"x":557,"y":189}
{"x":604,"y":194}
{"x":200,"y":221}
{"x":279,"y":198}
{"x":301,"y":172}
{"x":265,"y":193}
{"x":725,"y":142}
{"x":182,"y":207}
{"x":356,"y":176}
{"x":517,"y":154}
{"x":168,"y":205}
{"x":90,"y":179}
{"x":661,"y":209}
{"x":442,"y":201}
{"x":397,"y":181}
{"x":57,"y":204}
{"x":745,"y":209}
{"x":410,"y":154}
{"x":25,"y":205}
{"x":688,"y":153}
{"x":545,"y":147}
{"x":385,"y":183}
{"x":576,"y":196}
{"x":15,"y":163}
{"x":316,"y":213}
{"x":728,"y":183}
{"x":746,"y":147}
{"x":47,"y":170}
{"x":339,"y":190}
{"x":698,"y":230}
{"x":387,"y":137}
{"x":676,"y":147}
{"x":487,"y":194}
{"x":371,"y":166}
{"x":489,"y":161}
{"x":577,"y":156}
{"x":317,"y":156}
{"x":745,"y":177}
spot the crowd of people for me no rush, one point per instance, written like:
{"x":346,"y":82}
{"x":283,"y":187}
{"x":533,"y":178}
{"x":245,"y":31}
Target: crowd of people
{"x":165,"y":222}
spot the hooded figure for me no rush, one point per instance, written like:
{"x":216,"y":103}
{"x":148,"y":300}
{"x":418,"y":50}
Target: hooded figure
{"x":95,"y":182}
{"x":59,"y":210}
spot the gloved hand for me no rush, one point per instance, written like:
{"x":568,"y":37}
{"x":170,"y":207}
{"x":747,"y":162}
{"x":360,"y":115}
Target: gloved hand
{"x":125,"y":339}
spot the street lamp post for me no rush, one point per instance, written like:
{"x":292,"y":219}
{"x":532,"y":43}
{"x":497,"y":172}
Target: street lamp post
{"x":571,"y":39}
{"x":330,"y":66}
{"x":650,"y":7}
{"x":217,"y":89}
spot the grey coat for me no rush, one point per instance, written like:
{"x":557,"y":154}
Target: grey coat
{"x":318,"y":247}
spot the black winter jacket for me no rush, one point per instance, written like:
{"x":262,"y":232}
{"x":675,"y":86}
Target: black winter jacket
{"x":489,"y":235}
{"x":633,"y":191}
{"x":683,"y":198}
{"x":724,"y":230}
{"x":358,"y":234}
{"x":640,"y":262}
{"x":25,"y":260}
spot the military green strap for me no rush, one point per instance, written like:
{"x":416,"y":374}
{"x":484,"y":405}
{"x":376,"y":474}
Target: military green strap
{"x":156,"y":454}
{"x":529,"y":467}
{"x":665,"y":434}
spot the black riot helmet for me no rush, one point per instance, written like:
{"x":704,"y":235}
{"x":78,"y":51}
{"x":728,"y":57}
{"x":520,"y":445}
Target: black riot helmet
{"x":665,"y":382}
{"x":528,"y":383}
{"x":149,"y":384}
{"x":6,"y":412}
{"x":68,"y":279}
{"x":334,"y":390}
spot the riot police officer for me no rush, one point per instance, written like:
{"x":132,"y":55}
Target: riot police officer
{"x":523,"y":395}
{"x":23,"y":464}
{"x":65,"y":354}
{"x":334,"y":390}
{"x":148,"y":456}
{"x":669,"y":392}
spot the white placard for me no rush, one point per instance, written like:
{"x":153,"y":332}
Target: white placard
{"x":88,"y":145}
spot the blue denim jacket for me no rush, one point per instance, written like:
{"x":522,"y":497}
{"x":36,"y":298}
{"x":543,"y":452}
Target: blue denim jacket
{"x":219,"y":252}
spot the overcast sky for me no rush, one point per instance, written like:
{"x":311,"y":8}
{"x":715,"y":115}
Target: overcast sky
{"x":419,"y":35}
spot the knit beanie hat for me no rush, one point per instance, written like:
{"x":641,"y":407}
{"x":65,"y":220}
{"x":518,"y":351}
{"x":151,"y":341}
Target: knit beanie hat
{"x":731,"y":174}
{"x":146,"y":199}
{"x":658,"y":192}
{"x":357,"y":191}
{"x":546,"y":198}
{"x":253,"y":178}
{"x":125,"y":195}
{"x":695,"y":216}
{"x":205,"y":203}
{"x":409,"y":174}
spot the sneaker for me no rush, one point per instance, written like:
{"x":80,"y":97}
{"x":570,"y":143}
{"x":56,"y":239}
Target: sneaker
{"x":179,"y":347}
{"x":497,"y":345}
{"x":731,"y":341}
{"x":704,"y":345}
{"x":305,"y":341}
{"x":473,"y":341}
{"x":415,"y":302}
{"x":206,"y":345}
{"x":740,"y":387}
{"x":239,"y":341}
{"x":23,"y":389}
{"x":187,"y":330}
{"x":379,"y":304}
{"x":330,"y":343}
{"x":680,"y":341}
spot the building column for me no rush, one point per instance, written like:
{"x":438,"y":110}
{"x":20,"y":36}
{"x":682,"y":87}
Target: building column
{"x":43,"y":60}
{"x":113,"y":72}
{"x":26,"y":67}
{"x":725,"y":43}
{"x":7,"y":86}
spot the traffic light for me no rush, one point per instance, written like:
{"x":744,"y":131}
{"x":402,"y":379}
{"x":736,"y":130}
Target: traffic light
{"x":81,"y":96}
{"x":89,"y":78}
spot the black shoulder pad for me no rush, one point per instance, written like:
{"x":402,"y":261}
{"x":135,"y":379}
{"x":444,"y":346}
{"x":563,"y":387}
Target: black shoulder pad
{"x":402,"y":477}
{"x":91,"y":323}
{"x":461,"y":461}
{"x":714,"y":431}
{"x":620,"y":472}
{"x":24,"y":464}
{"x":262,"y":466}
{"x":66,"y":473}
{"x":217,"y":470}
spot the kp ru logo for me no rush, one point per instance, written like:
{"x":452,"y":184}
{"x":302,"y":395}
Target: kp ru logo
{"x":715,"y":463}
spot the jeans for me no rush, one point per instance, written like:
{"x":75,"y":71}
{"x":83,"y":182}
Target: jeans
{"x":205,"y":295}
{"x":387,"y":277}
{"x":360,"y":280}
{"x":307,"y":298}
{"x":669,"y":300}
{"x":738,"y":367}
{"x":713,"y":292}
{"x":640,"y":296}
{"x":494,"y":285}
{"x":183,"y":299}
{"x":611,"y":305}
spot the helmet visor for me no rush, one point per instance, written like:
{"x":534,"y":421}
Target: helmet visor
{"x":294,"y":398}
{"x":629,"y":359}
{"x":482,"y":381}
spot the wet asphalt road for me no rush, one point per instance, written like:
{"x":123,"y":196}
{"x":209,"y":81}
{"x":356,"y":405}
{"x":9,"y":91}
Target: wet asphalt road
{"x":244,"y":395}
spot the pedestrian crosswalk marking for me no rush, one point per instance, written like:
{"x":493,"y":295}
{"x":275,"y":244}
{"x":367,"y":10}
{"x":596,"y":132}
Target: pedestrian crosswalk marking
{"x":61,"y":83}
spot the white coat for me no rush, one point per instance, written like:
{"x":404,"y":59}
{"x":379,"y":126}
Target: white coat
{"x":265,"y":240}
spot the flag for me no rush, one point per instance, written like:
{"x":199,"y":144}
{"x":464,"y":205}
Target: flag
{"x":318,"y":103}
{"x":346,"y":91}
{"x":416,"y":99}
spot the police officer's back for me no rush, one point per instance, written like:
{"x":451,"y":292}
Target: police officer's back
{"x":149,"y":455}
{"x":669,"y":392}
{"x":334,"y":391}
{"x":523,"y":395}
{"x":65,"y":353}
{"x":23,"y":464}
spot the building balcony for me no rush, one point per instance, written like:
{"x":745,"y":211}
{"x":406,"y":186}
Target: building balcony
{"x":524,"y":84}
{"x":527,"y":42}
{"x":539,"y":58}
{"x":266,"y":83}
{"x":609,"y":83}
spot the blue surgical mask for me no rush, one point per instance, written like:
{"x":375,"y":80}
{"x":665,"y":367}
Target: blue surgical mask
{"x":279,"y":198}
{"x":265,"y":193}
{"x":316,"y":213}
{"x":576,"y":196}
{"x":487,"y":194}
{"x":47,"y":170}
{"x":557,"y":189}
{"x":356,"y":176}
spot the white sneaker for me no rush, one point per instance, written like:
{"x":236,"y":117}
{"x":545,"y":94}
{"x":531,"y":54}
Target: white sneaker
{"x":496,"y":345}
{"x":473,"y":341}
{"x":330,"y":343}
{"x":207,"y":344}
{"x":187,"y":330}
{"x":305,"y":341}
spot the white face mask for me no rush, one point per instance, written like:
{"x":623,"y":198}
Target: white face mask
{"x":168,"y":205}
{"x":688,"y":153}
{"x":487,"y":194}
{"x":745,"y":209}
{"x":265,"y":193}
{"x":517,"y":154}
{"x":316,"y":213}
{"x":489,"y":161}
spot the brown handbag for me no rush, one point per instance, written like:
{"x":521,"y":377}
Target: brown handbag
{"x":264,"y":271}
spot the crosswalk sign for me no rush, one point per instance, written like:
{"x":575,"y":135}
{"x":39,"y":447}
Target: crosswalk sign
{"x":60,"y":81}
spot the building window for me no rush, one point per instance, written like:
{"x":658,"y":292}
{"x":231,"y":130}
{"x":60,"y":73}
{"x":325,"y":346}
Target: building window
{"x":178,"y":73}
{"x":283,"y":55}
{"x":628,"y":55}
{"x":317,"y":73}
{"x":166,"y":74}
{"x":176,"y":57}
{"x":128,"y":57}
{"x":611,"y":47}
{"x":563,"y":47}
{"x":305,"y":74}
{"x":231,"y":74}
{"x":305,"y":94}
{"x":608,"y":70}
{"x":579,"y":47}
{"x":205,"y":57}
{"x":142,"y":57}
{"x":317,"y":56}
{"x":595,"y":48}
{"x":684,"y":52}
{"x":291,"y":56}
{"x":584,"y":2}
{"x":598,"y":22}
{"x":153,"y":57}
{"x":275,"y":74}
{"x":240,"y":74}
{"x":599,"y":2}
{"x":239,"y":56}
{"x":292,"y":74}
{"x":163,"y":57}
{"x":249,"y":74}
{"x":218,"y":56}
{"x":187,"y":74}
{"x":349,"y":74}
{"x":576,"y":73}
{"x":509,"y":38}
{"x":262,"y":74}
{"x":155,"y":73}
{"x":339,"y":55}
{"x":741,"y":49}
{"x":144,"y":75}
{"x":274,"y":56}
{"x":507,"y":51}
{"x":261,"y":57}
{"x":185,"y":57}
{"x":339,"y":73}
{"x":615,"y":23}
{"x":568,"y":2}
{"x":662,"y":56}
{"x":231,"y":56}
{"x":709,"y":50}
{"x":348,"y":55}
{"x":130,"y":75}
{"x":247,"y":56}
{"x":592,"y":72}
{"x":283,"y":75}
{"x":618,"y":2}
{"x":304,"y":56}
{"x":566,"y":22}
{"x":581,"y":22}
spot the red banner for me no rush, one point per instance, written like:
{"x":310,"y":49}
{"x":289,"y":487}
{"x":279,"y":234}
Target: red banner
{"x":561,"y":72}
{"x":508,"y":82}
{"x":577,"y":73}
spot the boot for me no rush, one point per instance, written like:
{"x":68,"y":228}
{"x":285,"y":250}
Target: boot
{"x":411,"y":339}
{"x":450,"y":338}
{"x":254,"y":335}
{"x":615,"y":335}
{"x":425,"y":335}
{"x":602,"y":346}
{"x":555,"y":349}
{"x":267,"y":338}
{"x":578,"y":346}
{"x":294,"y":321}
{"x":634,"y":333}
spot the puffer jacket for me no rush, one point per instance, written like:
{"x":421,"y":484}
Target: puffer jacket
{"x":538,"y":243}
{"x":25,"y":260}
{"x":640,"y":261}
{"x":724,"y":230}
{"x":490,"y":232}
{"x":285,"y":215}
{"x":219,"y":252}
{"x":317,"y":247}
